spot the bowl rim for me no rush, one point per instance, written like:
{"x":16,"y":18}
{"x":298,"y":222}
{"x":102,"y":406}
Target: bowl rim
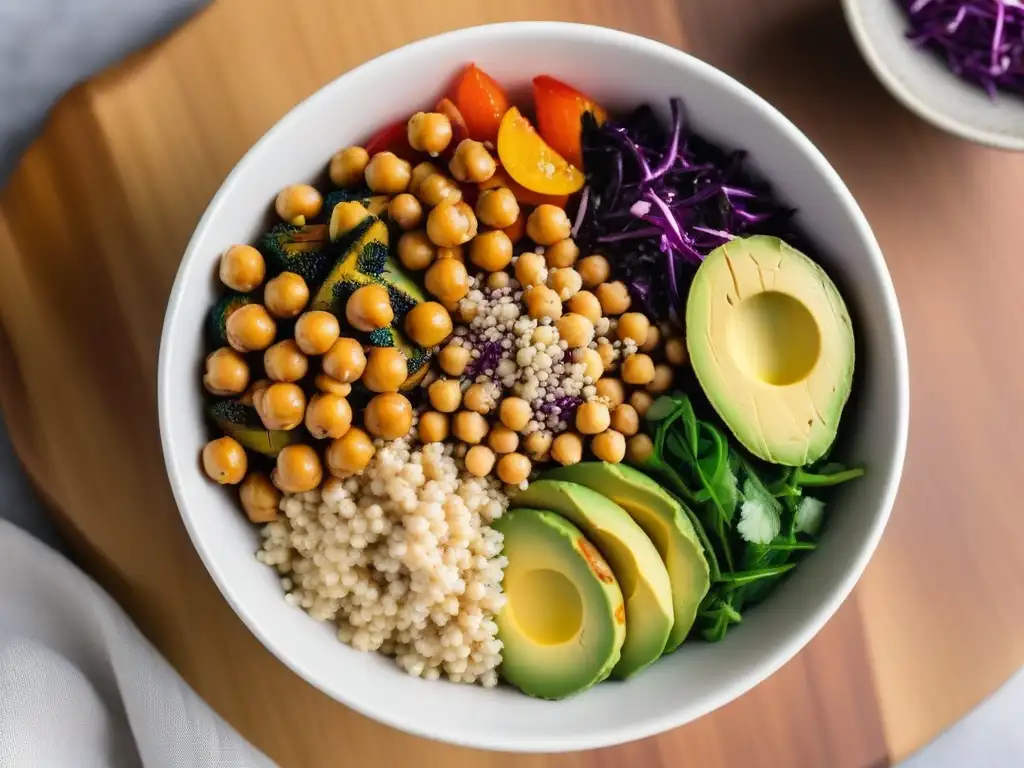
{"x":906,"y":96}
{"x":686,"y":711}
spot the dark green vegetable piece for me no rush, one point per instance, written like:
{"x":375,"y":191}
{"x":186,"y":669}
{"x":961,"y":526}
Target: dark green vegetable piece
{"x":381,"y":337}
{"x":302,"y":250}
{"x":240,"y":421}
{"x":216,"y":322}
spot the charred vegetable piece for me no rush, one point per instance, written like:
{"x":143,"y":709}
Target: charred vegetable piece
{"x":302,"y":250}
{"x":217,"y":321}
{"x":242,"y":422}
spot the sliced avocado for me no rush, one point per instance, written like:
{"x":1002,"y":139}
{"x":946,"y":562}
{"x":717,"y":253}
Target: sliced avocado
{"x":303,"y":250}
{"x":772,"y":345}
{"x":242,"y":422}
{"x":564,"y":621}
{"x":216,"y":325}
{"x":665,"y":523}
{"x":634,"y":560}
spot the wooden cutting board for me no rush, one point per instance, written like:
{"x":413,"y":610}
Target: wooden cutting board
{"x":94,"y":222}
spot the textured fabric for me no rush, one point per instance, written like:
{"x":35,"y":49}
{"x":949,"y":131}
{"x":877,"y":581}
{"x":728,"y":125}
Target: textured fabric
{"x":80,"y":687}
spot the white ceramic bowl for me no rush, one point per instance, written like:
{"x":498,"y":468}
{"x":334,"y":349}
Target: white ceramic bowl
{"x":924,"y":83}
{"x":621,"y":71}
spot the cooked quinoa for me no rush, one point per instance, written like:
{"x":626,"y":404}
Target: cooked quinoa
{"x":402,"y":559}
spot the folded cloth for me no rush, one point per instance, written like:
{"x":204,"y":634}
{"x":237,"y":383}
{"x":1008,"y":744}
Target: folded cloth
{"x":79,"y":684}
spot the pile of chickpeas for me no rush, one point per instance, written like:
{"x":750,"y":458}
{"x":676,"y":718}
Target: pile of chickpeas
{"x":442,"y":239}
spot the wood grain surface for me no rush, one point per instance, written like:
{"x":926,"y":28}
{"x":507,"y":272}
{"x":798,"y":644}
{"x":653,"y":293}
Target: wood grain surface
{"x":93,"y":225}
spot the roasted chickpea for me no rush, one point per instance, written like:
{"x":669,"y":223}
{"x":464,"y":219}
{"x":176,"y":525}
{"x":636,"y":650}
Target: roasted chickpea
{"x":281,"y":406}
{"x":250,"y":328}
{"x":638,"y":369}
{"x":640,"y":401}
{"x":498,"y":280}
{"x":469,"y":427}
{"x":541,"y":302}
{"x":625,"y":419}
{"x":226,"y":372}
{"x":675,"y":351}
{"x":242,"y":268}
{"x":452,"y":252}
{"x":454,"y":358}
{"x":662,"y":379}
{"x":350,"y":453}
{"x":445,"y":395}
{"x":614,"y":298}
{"x":345,"y":217}
{"x":491,"y":251}
{"x":429,"y":132}
{"x":255,"y":392}
{"x":480,"y":460}
{"x":437,"y":189}
{"x":497,"y":207}
{"x":594,"y":270}
{"x":530,"y":269}
{"x":502,"y":439}
{"x":332,"y":386}
{"x":611,"y":390}
{"x":298,"y":469}
{"x":514,"y":468}
{"x":639,"y":449}
{"x":260,"y":499}
{"x":316,"y":331}
{"x":433,"y":427}
{"x":472,"y":162}
{"x":419,"y":174}
{"x":428,"y":324}
{"x":348,"y":166}
{"x":635,"y":326}
{"x":652,"y":340}
{"x":328,"y":416}
{"x":298,"y":203}
{"x":405,"y":210}
{"x":585,"y":303}
{"x":344,"y":361}
{"x":608,"y":354}
{"x":593,"y":367}
{"x":388,"y":416}
{"x":609,"y":446}
{"x":415,"y":250}
{"x":515,"y":413}
{"x":284,"y":361}
{"x":447,"y":279}
{"x":386,"y":369}
{"x":451,"y":224}
{"x":547,"y":224}
{"x":286,"y":295}
{"x":479,"y":397}
{"x":538,"y":445}
{"x":224,"y":461}
{"x":575,"y":330}
{"x":592,"y":418}
{"x":562,"y":254}
{"x":566,"y":282}
{"x":388,"y":174}
{"x":369,"y":308}
{"x":567,"y":449}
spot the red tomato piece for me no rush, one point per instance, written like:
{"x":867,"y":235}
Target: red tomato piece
{"x":481,"y":101}
{"x":560,"y":109}
{"x":393,"y":138}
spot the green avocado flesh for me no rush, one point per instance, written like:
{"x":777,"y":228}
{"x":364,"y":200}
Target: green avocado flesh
{"x":632,"y":556}
{"x":564,"y":622}
{"x":772,"y":345}
{"x":663,"y":520}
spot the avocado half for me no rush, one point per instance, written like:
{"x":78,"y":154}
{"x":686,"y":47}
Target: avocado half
{"x":771,"y":343}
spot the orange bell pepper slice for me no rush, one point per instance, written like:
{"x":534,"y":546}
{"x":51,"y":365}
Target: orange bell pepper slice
{"x":481,"y":101}
{"x":560,"y":109}
{"x":528,"y":159}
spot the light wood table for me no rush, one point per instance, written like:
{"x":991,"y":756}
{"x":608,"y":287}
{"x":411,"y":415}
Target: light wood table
{"x":94,"y":222}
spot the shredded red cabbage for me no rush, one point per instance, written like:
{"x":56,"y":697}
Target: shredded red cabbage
{"x":981,"y":40}
{"x":656,"y":203}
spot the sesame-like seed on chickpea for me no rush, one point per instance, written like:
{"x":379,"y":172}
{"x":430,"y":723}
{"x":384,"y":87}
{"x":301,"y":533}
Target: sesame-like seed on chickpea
{"x":641,"y":401}
{"x":593,"y":366}
{"x":575,"y":330}
{"x":530,"y":269}
{"x":345,"y":217}
{"x":286,"y":295}
{"x":614,"y":298}
{"x":344,"y":361}
{"x":415,"y":250}
{"x":328,"y":415}
{"x":250,"y":328}
{"x":242,"y":268}
{"x":433,"y":427}
{"x":226,"y":373}
{"x":450,"y":224}
{"x":224,"y":461}
{"x":547,"y":224}
{"x":566,"y":282}
{"x":350,"y":453}
{"x":625,"y":419}
{"x":662,"y":380}
{"x":502,"y":439}
{"x":480,"y":460}
{"x":297,"y":203}
{"x":611,"y":390}
{"x":491,"y":251}
{"x":405,"y":210}
{"x":514,"y":468}
{"x":316,"y":331}
{"x":479,"y":397}
{"x":447,"y":279}
{"x":388,"y":416}
{"x":633,"y":325}
{"x":436,"y":189}
{"x":284,"y":361}
{"x":638,"y":369}
{"x":454,"y":359}
{"x":497,"y":207}
{"x":298,"y":469}
{"x":281,"y":406}
{"x":429,"y":132}
{"x":498,"y":280}
{"x":260,"y":499}
{"x":369,"y":308}
{"x":326,"y":383}
{"x":541,"y":302}
{"x":538,"y":445}
{"x":562,"y":254}
{"x":609,"y":446}
{"x":592,"y":418}
{"x":515,"y":413}
{"x":652,"y":340}
{"x":585,"y":303}
{"x":386,"y":369}
{"x":419,"y":173}
{"x":639,"y":449}
{"x":469,"y":427}
{"x":675,"y":351}
{"x":445,"y":395}
{"x":387,"y":174}
{"x":594,"y":270}
{"x":567,"y":449}
{"x":472,"y":162}
{"x":348,"y":166}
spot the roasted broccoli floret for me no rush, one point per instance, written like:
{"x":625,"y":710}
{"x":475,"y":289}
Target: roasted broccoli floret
{"x":302,"y":250}
{"x":217,"y":321}
{"x":372,"y":260}
{"x":382,"y":337}
{"x":401,"y":303}
{"x":417,"y":362}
